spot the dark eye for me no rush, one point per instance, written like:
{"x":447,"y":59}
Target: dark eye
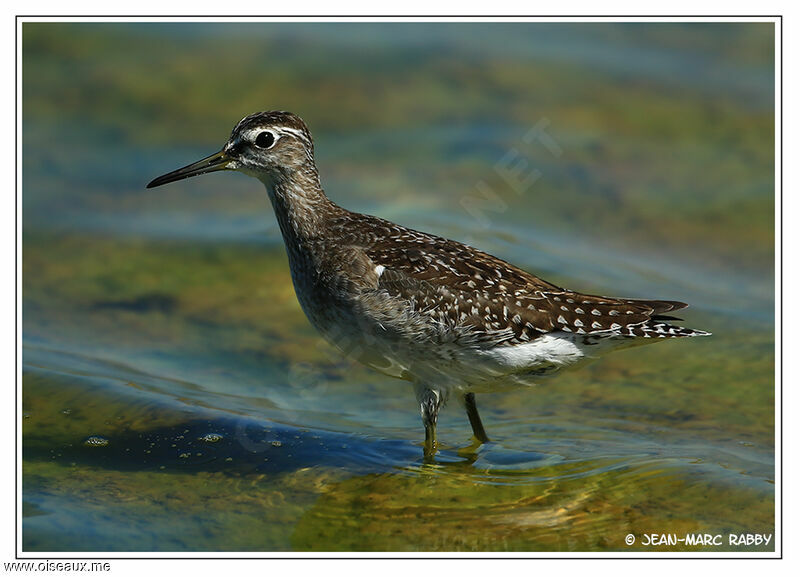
{"x":265,"y":139}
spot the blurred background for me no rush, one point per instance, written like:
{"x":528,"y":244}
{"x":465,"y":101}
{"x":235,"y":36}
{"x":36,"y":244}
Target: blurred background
{"x":176,"y":399}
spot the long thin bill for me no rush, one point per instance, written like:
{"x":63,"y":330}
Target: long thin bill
{"x":213,"y":163}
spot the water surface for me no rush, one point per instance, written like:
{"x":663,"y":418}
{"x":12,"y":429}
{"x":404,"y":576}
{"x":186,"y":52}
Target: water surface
{"x":176,"y":399}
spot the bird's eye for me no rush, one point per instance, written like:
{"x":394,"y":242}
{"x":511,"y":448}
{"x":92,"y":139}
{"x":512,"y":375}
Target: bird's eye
{"x":265,"y":139}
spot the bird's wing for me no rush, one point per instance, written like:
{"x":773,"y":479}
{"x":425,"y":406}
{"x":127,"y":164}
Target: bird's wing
{"x":462,"y":286}
{"x":588,"y":314}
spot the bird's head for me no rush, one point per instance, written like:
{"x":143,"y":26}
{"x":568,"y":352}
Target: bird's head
{"x":265,"y":145}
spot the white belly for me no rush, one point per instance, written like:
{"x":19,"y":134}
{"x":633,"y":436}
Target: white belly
{"x":480,"y":369}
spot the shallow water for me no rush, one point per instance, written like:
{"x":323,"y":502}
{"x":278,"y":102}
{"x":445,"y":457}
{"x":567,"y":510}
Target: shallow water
{"x":176,"y":399}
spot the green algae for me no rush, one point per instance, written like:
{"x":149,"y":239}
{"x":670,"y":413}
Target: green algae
{"x":454,"y":510}
{"x":91,"y":509}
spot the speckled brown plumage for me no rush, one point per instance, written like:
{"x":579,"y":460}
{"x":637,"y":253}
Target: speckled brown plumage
{"x":459,"y":285}
{"x":426,"y":309}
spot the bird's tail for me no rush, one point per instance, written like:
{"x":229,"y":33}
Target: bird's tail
{"x":657,"y":328}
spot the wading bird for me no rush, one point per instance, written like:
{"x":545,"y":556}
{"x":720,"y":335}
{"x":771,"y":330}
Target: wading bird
{"x":449,"y":318}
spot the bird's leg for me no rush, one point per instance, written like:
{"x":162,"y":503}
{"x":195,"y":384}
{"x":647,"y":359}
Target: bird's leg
{"x":429,"y":403}
{"x":474,"y":418}
{"x":430,"y":439}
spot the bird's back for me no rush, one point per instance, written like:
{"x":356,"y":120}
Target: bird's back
{"x":458,"y":285}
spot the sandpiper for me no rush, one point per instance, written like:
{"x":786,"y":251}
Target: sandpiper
{"x":449,"y":318}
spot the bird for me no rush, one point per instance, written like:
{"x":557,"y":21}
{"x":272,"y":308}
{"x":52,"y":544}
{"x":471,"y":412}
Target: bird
{"x":450,"y":319}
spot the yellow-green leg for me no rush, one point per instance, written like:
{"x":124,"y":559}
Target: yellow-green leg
{"x":430,"y":439}
{"x":429,"y":403}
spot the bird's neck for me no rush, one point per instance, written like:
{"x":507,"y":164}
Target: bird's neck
{"x":300,"y":205}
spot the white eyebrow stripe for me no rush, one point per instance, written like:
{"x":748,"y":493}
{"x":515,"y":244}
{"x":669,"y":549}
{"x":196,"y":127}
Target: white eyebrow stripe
{"x":298,"y":133}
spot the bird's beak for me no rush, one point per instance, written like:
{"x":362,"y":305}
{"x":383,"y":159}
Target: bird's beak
{"x":213,"y":163}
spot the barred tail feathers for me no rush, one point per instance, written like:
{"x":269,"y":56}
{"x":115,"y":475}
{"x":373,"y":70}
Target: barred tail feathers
{"x":658,"y":329}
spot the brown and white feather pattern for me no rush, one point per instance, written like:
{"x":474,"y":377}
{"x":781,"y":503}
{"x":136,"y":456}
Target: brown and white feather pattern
{"x":458,"y":285}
